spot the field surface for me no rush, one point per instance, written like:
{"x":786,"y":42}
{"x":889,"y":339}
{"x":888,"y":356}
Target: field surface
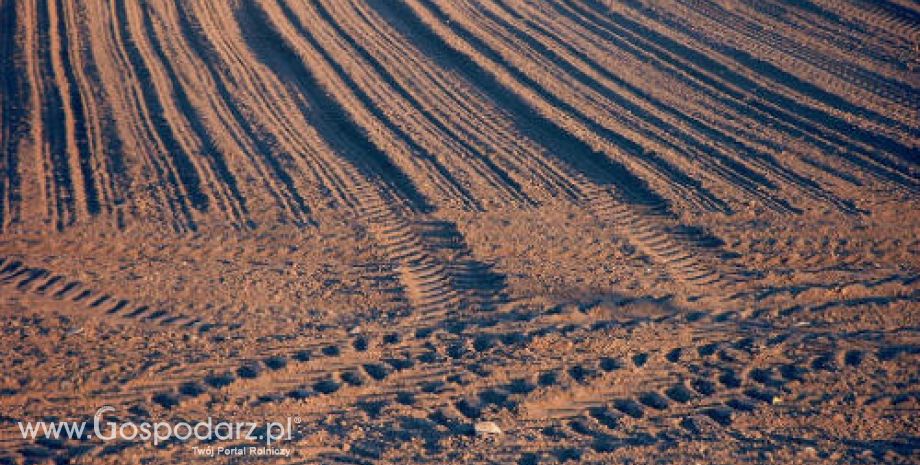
{"x":670,"y":231}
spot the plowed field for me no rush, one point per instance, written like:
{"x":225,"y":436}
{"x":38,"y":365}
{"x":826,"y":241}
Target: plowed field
{"x":676,"y":231}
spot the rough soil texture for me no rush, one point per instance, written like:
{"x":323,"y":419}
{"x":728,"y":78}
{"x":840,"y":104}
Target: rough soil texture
{"x":674,"y":231}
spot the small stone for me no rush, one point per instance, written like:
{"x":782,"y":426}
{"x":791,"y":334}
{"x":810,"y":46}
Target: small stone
{"x":74,"y":331}
{"x":487,"y":427}
{"x":811,"y":451}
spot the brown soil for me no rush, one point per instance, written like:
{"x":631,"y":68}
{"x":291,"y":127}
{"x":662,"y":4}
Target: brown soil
{"x":671,"y":231}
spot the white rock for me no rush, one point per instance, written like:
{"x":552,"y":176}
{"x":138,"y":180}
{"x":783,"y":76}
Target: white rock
{"x":74,"y":331}
{"x":487,"y":427}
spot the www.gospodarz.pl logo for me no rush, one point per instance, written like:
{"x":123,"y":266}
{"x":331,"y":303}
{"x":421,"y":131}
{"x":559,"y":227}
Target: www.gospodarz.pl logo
{"x":158,"y":432}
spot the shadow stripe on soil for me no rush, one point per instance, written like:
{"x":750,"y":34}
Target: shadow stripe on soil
{"x":336,"y":126}
{"x":574,"y":152}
